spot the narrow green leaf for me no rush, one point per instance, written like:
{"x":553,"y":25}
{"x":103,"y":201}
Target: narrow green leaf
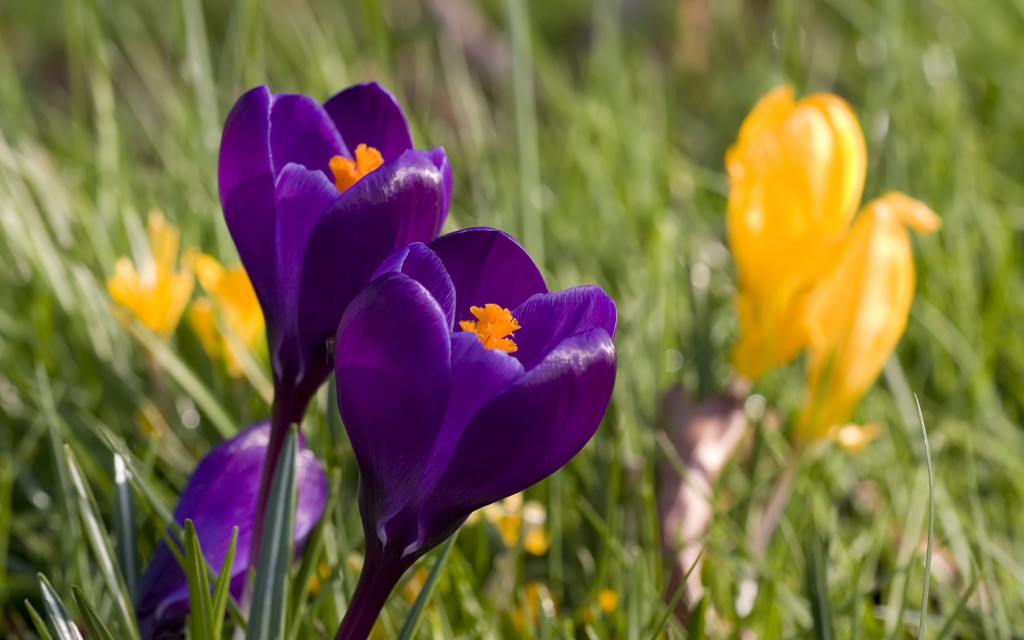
{"x":156,"y":506}
{"x":199,"y":600}
{"x":57,"y":612}
{"x":93,"y":622}
{"x":670,"y":606}
{"x":270,"y":593}
{"x":222,"y":590}
{"x":99,"y":542}
{"x":816,"y":582}
{"x":311,"y":556}
{"x":413,"y":619}
{"x":41,"y":628}
{"x":931,"y":523}
{"x":124,"y":525}
{"x":947,"y":629}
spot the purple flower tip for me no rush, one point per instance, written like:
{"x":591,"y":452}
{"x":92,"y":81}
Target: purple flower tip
{"x":441,"y":424}
{"x":279,"y":185}
{"x":221,"y":495}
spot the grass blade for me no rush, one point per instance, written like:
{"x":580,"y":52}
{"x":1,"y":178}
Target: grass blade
{"x":200,"y":603}
{"x":93,"y":622}
{"x":41,"y":628}
{"x":816,"y":581}
{"x":124,"y":525}
{"x":670,"y":606}
{"x":931,"y":522}
{"x":270,"y":593}
{"x":413,"y":619}
{"x":222,"y":590}
{"x":99,"y":542}
{"x":58,"y":613}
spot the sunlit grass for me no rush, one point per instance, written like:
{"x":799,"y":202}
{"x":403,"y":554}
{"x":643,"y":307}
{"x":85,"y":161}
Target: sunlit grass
{"x":108,"y":110}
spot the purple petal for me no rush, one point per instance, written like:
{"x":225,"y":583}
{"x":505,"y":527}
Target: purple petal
{"x":393,"y":375}
{"x":302,"y":197}
{"x":487,"y":266}
{"x":529,"y":431}
{"x":549,"y":318}
{"x":368,"y":114}
{"x":397,"y":204}
{"x":478,"y":374}
{"x":422,"y":265}
{"x":220,"y":495}
{"x":303,"y":133}
{"x":245,"y":179}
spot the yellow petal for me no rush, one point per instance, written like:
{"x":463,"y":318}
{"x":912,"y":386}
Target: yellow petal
{"x":163,"y":244}
{"x":796,"y":174}
{"x":857,"y":313}
{"x":200,"y":317}
{"x":208,"y":271}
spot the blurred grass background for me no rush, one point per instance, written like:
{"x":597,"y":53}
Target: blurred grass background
{"x":595,"y":133}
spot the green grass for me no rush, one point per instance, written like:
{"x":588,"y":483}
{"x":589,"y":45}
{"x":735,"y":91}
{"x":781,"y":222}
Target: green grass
{"x":576,"y":130}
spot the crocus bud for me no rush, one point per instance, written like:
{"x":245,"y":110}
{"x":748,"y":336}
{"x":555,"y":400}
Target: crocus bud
{"x":796,"y":173}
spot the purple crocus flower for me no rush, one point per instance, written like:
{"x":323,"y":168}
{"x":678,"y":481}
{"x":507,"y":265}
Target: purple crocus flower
{"x":315,"y":196}
{"x":461,"y":381}
{"x":221,"y":495}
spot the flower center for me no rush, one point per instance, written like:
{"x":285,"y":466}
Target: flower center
{"x":492,"y":325}
{"x":348,"y":172}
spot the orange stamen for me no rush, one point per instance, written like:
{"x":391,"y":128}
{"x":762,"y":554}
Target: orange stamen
{"x":348,"y":172}
{"x":492,"y":325}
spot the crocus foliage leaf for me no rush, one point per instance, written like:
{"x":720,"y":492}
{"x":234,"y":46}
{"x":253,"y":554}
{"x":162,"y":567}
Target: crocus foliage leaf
{"x":270,"y":593}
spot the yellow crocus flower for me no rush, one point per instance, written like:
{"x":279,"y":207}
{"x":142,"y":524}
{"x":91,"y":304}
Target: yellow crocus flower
{"x":155,"y":294}
{"x":858,"y":310}
{"x":234,"y":298}
{"x":796,"y":173}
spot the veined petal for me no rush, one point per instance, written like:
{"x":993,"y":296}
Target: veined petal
{"x":422,"y":265}
{"x":530,"y":430}
{"x":397,"y":204}
{"x":478,"y":375}
{"x":849,"y":160}
{"x":303,"y":196}
{"x":487,"y":266}
{"x":393,"y":371}
{"x":369,"y":114}
{"x":547,"y":319}
{"x":220,"y":495}
{"x":303,"y":133}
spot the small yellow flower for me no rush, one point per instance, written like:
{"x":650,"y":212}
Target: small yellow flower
{"x":155,"y":293}
{"x":796,"y":173}
{"x":234,"y":298}
{"x":513,"y":517}
{"x":414,"y":585}
{"x":854,"y":437}
{"x":858,"y":310}
{"x":607,"y":600}
{"x":536,"y":599}
{"x":323,"y":572}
